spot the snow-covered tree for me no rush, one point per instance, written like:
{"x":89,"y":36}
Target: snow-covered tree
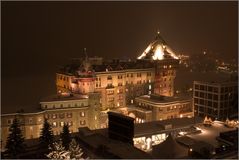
{"x":57,"y":151}
{"x":75,"y":151}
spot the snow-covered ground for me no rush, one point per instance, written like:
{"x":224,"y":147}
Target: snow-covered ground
{"x":209,"y":134}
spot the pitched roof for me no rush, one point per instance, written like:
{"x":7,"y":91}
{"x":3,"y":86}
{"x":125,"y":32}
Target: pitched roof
{"x":158,"y":50}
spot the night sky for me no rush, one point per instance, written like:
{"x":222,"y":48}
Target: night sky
{"x":37,"y":37}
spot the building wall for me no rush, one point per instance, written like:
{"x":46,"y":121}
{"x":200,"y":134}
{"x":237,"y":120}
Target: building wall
{"x":112,"y":85}
{"x":215,"y":100}
{"x":163,"y":111}
{"x":31,"y":125}
{"x":132,"y":82}
{"x":165,"y":74}
{"x":64,"y":82}
{"x":85,"y":114}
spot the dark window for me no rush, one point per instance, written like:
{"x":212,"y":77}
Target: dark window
{"x":215,"y":104}
{"x":215,"y":97}
{"x":202,"y":87}
{"x":215,"y":89}
{"x":210,"y":89}
{"x":201,"y":109}
{"x":196,"y":93}
{"x":195,"y":100}
{"x":209,"y":96}
{"x":209,"y":103}
{"x":209,"y":111}
{"x":201,"y":101}
{"x":196,"y":86}
{"x":222,"y":89}
{"x":201,"y":94}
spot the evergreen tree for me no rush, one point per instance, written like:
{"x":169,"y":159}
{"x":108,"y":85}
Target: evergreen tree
{"x":65,"y":136}
{"x":46,"y":137}
{"x":15,"y":140}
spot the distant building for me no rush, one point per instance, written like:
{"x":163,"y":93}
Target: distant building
{"x":215,"y":99}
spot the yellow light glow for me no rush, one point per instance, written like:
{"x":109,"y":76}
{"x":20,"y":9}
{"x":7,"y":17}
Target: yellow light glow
{"x":158,"y":54}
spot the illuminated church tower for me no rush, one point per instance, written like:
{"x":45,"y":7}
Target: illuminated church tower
{"x":165,"y":62}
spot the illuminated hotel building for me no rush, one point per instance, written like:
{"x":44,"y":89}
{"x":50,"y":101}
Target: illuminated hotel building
{"x":121,"y":82}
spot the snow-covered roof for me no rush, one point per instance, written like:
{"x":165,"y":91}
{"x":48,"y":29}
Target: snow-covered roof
{"x":158,"y":50}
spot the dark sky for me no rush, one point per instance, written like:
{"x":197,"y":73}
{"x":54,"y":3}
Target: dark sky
{"x":39,"y":36}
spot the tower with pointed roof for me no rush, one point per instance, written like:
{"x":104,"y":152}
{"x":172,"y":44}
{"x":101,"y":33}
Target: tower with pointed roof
{"x":165,"y":61}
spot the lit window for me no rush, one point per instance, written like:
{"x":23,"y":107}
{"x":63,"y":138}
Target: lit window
{"x":61,"y":124}
{"x":70,"y":123}
{"x":95,"y":118}
{"x":46,"y":116}
{"x":149,"y":86}
{"x":82,"y":122}
{"x":82,"y":114}
{"x":132,"y":101}
{"x":69,"y":115}
{"x":54,"y":124}
{"x":54,"y":116}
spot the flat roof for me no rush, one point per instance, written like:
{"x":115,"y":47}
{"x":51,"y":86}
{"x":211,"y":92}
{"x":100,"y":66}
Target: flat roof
{"x":163,"y":99}
{"x":217,"y":83}
{"x":149,"y":128}
{"x":68,"y":97}
{"x":21,"y":109}
{"x":117,"y":148}
{"x":154,"y":127}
